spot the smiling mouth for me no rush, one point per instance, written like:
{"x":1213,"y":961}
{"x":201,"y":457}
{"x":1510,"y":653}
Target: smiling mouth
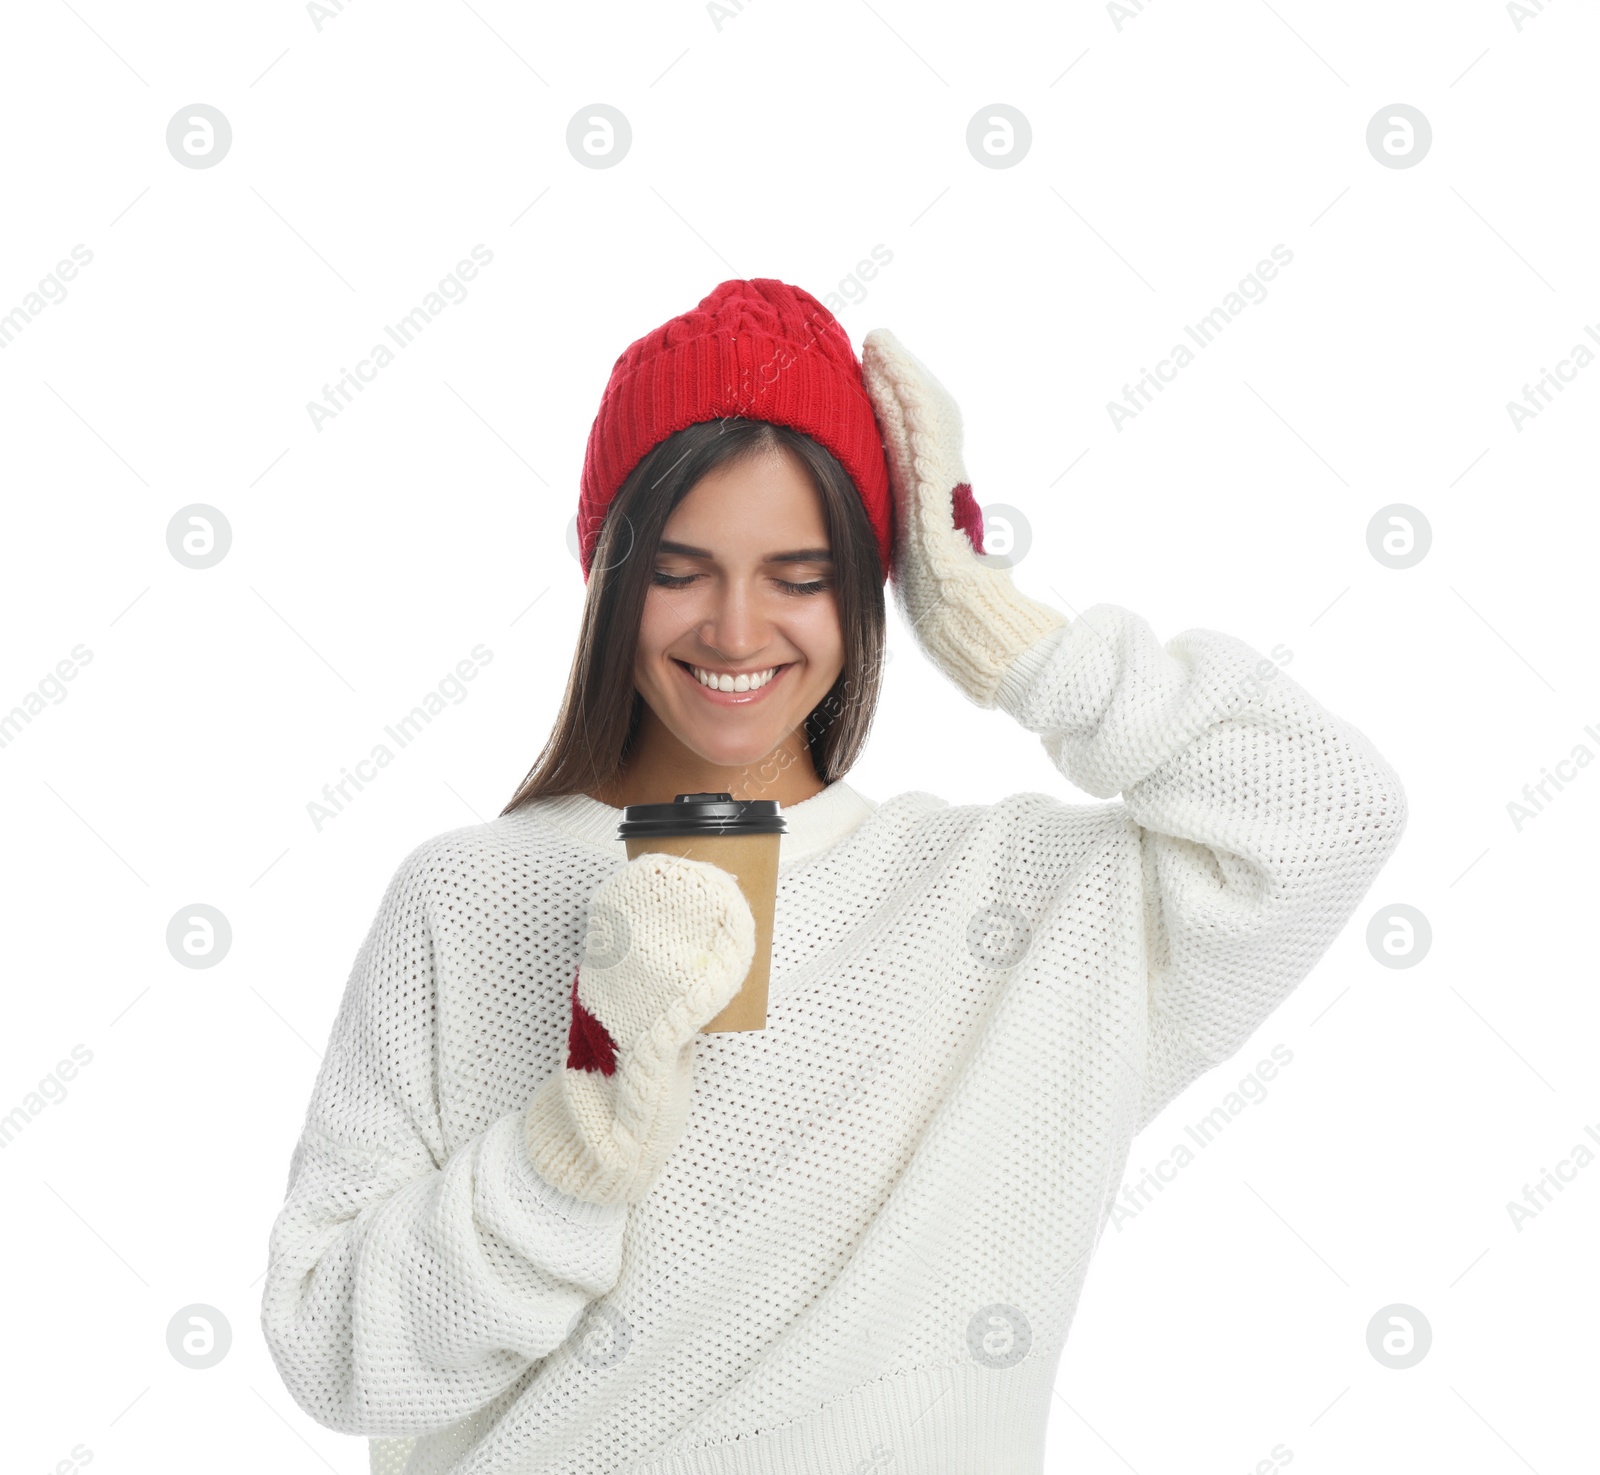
{"x":731,"y":688}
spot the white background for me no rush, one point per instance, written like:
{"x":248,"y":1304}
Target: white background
{"x":1169,"y":155}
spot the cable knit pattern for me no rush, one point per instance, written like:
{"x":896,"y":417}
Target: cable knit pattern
{"x":761,"y":349}
{"x":966,"y":614}
{"x":678,"y":943}
{"x":874,"y":1229}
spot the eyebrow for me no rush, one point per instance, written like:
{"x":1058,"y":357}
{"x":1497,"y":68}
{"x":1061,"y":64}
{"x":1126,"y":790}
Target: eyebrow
{"x":794,"y":555}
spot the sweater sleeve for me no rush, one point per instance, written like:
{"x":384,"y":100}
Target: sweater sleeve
{"x":1263,"y":819}
{"x":409,"y":1282}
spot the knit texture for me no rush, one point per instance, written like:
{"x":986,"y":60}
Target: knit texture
{"x":676,"y":943}
{"x":966,"y":614}
{"x":874,"y":1230}
{"x":760,"y":349}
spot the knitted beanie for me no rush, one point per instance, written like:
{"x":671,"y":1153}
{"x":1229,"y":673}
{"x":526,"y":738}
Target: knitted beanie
{"x":759,"y":349}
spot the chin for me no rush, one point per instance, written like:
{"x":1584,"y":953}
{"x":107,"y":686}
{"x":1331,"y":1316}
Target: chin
{"x":716,"y":748}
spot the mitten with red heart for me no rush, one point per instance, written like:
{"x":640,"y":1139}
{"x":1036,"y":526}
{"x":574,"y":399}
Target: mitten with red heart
{"x":670,"y":942}
{"x":965,"y":612}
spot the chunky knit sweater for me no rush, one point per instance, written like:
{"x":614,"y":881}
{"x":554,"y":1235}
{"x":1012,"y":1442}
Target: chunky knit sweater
{"x":868,"y":1245}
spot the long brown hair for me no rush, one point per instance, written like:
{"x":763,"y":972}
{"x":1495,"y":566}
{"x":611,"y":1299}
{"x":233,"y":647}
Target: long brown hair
{"x":594,"y":732}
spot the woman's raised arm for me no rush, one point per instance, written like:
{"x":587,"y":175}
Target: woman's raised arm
{"x":1262,"y":818}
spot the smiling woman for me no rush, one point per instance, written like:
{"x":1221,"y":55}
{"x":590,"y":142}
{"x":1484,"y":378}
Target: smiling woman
{"x":542,"y":1218}
{"x":737,"y":550}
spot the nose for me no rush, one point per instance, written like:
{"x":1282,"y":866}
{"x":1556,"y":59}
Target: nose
{"x":734,"y":625}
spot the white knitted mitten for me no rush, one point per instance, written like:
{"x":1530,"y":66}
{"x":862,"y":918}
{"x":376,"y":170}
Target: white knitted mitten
{"x":966,"y":614}
{"x":670,"y":942}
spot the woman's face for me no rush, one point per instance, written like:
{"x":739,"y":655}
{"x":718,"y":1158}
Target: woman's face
{"x":743,"y":592}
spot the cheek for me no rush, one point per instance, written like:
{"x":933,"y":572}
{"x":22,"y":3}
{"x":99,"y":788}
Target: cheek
{"x":652,"y":642}
{"x":659,"y":626}
{"x":818,"y":633}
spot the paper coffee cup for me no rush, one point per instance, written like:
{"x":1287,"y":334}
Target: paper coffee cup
{"x":739,"y":836}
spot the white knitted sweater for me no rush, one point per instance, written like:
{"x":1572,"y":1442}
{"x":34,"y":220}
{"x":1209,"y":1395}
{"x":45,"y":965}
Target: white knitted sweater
{"x":867,"y":1248}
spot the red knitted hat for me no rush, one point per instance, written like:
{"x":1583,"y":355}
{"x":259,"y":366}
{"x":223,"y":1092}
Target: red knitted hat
{"x":761,"y":349}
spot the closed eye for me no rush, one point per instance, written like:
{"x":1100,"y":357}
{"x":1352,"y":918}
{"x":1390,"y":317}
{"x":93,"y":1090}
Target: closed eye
{"x":789,"y":586}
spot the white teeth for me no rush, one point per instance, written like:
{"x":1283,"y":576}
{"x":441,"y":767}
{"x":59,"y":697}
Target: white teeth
{"x":723,"y":681}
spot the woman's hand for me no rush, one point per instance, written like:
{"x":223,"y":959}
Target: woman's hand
{"x":670,"y":942}
{"x":966,"y":614}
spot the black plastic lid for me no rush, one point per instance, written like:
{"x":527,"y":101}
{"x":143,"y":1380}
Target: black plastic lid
{"x":703,"y":814}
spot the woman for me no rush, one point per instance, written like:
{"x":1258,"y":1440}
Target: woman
{"x":537,"y":1222}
